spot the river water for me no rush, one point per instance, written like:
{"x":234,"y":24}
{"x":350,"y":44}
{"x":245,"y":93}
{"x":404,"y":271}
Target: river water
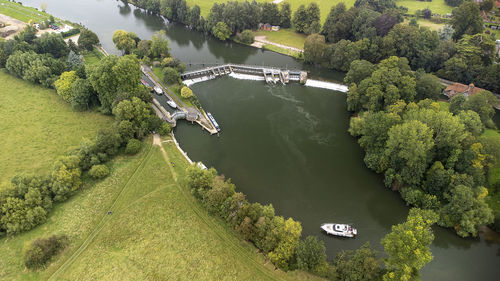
{"x":285,"y":145}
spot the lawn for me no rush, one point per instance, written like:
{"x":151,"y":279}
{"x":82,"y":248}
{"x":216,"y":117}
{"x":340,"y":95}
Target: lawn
{"x":38,"y":126}
{"x":287,"y":52}
{"x":286,"y":37}
{"x":157,"y":231}
{"x":22,"y":13}
{"x":427,"y":23}
{"x":436,"y":6}
{"x":494,"y":198}
{"x":93,"y":57}
{"x":206,"y":5}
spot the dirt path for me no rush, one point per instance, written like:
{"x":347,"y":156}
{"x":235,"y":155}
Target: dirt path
{"x":13,"y":27}
{"x":261,"y":40}
{"x":157,"y":141}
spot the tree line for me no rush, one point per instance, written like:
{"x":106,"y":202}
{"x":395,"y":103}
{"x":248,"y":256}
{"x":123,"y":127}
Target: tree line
{"x":279,"y":238}
{"x":433,"y":155}
{"x":112,"y":85}
{"x":459,"y":52}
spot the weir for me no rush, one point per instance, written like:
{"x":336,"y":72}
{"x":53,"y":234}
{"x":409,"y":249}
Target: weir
{"x":270,"y":74}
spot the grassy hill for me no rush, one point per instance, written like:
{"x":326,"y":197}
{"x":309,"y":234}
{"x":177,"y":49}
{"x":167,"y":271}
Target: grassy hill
{"x":37,"y":126}
{"x":157,"y":231}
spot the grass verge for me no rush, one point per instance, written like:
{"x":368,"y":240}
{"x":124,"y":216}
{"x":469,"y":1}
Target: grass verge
{"x":37,"y":126}
{"x":286,"y":37}
{"x":93,"y":57}
{"x":22,"y":13}
{"x":287,"y":52}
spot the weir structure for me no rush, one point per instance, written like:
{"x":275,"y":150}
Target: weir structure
{"x":272,"y":75}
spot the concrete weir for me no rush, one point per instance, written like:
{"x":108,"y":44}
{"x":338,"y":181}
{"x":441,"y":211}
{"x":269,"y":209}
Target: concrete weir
{"x":272,"y":75}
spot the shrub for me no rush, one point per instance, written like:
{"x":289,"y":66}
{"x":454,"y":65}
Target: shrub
{"x":99,"y":171}
{"x":186,"y":92}
{"x":133,"y":146}
{"x":70,"y":33}
{"x":164,"y":129}
{"x":39,"y":252}
{"x":247,"y":37}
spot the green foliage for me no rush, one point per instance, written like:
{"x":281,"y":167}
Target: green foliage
{"x":466,"y":210}
{"x":358,"y":71}
{"x":51,"y":43}
{"x":186,"y":92}
{"x":36,"y":68}
{"x":133,"y":146}
{"x":159,"y":45}
{"x":99,"y":171}
{"x":87,"y":40}
{"x":247,"y":37}
{"x":361,"y":264}
{"x":288,"y":239}
{"x":466,"y":20}
{"x":38,"y":252}
{"x":164,"y":129}
{"x":306,"y":20}
{"x":408,"y":245}
{"x":314,"y":48}
{"x":64,"y":84}
{"x":221,"y":31}
{"x":377,"y":5}
{"x":170,"y":75}
{"x":136,"y":114}
{"x":82,"y":94}
{"x":428,"y":86}
{"x":311,"y":254}
{"x":125,"y":41}
{"x":66,"y":175}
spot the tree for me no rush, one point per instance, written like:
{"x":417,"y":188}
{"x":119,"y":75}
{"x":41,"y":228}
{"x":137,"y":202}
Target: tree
{"x":428,"y":86}
{"x":137,"y":113}
{"x":483,"y":103}
{"x":408,"y":245}
{"x":363,"y":25}
{"x":51,"y":43}
{"x":358,"y":71}
{"x":329,"y":27}
{"x":300,"y":19}
{"x":408,"y":152}
{"x":466,"y":20}
{"x":82,"y":94}
{"x":313,"y":16}
{"x":74,"y":61}
{"x":247,"y":37}
{"x":124,"y":41}
{"x":99,"y":171}
{"x":38,"y":252}
{"x":159,"y":45}
{"x":133,"y":146}
{"x":170,"y":75}
{"x":426,"y":13}
{"x":221,"y":31}
{"x":361,"y":264}
{"x":454,"y":3}
{"x":87,"y":39}
{"x":66,"y":175}
{"x":486,"y":5}
{"x":466,"y":210}
{"x":472,"y":122}
{"x":285,"y":15}
{"x":64,"y":83}
{"x":377,"y":5}
{"x":289,"y":236}
{"x":446,"y":33}
{"x":314,"y":47}
{"x":310,"y":254}
{"x":384,"y":24}
{"x":186,"y":92}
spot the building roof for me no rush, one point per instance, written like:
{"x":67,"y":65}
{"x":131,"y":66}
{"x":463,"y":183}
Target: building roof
{"x":458,"y":88}
{"x":497,"y":4}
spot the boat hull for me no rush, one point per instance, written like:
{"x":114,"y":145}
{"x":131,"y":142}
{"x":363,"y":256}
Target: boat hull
{"x":341,"y":230}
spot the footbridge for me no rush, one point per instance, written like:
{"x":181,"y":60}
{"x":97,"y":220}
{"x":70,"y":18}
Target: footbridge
{"x":271,"y":75}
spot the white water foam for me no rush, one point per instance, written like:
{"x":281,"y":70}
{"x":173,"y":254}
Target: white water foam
{"x":246,"y":76}
{"x":189,"y":82}
{"x":327,"y":85}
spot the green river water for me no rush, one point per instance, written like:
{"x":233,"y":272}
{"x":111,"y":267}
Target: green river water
{"x":285,"y":145}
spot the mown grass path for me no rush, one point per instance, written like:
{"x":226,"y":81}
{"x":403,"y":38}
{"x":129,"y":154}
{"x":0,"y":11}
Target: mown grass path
{"x":101,"y":224}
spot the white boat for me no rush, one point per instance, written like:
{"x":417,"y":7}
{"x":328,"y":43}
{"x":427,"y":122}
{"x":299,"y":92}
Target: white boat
{"x":172,"y":103}
{"x":158,"y":90}
{"x":338,"y":229}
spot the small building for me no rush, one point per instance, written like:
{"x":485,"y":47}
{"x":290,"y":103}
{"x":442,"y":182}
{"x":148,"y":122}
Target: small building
{"x":461,"y":89}
{"x":275,"y":28}
{"x":265,"y":26}
{"x":497,"y":4}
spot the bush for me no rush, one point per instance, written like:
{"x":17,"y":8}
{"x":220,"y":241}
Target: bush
{"x":99,"y":171}
{"x":39,"y":252}
{"x":186,"y":92}
{"x":247,"y":37}
{"x":133,"y":146}
{"x":164,"y":129}
{"x":70,"y":33}
{"x":170,"y":75}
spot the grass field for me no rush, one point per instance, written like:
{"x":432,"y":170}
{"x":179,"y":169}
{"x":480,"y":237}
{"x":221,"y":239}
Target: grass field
{"x":22,"y":13}
{"x":93,"y":57}
{"x":494,"y":199}
{"x":427,"y":23}
{"x":436,"y":6}
{"x":37,"y":126}
{"x":285,"y":37}
{"x":157,"y":231}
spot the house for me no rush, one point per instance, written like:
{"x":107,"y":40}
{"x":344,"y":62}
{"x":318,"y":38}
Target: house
{"x":497,"y":4}
{"x":458,"y":88}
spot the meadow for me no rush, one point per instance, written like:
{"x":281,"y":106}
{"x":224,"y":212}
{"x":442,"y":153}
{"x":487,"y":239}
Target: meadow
{"x":38,"y":126}
{"x":22,"y":13}
{"x":436,"y":6}
{"x":157,"y":230}
{"x":286,"y":37}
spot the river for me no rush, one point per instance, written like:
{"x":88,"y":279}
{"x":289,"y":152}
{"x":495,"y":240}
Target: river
{"x":285,"y":145}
